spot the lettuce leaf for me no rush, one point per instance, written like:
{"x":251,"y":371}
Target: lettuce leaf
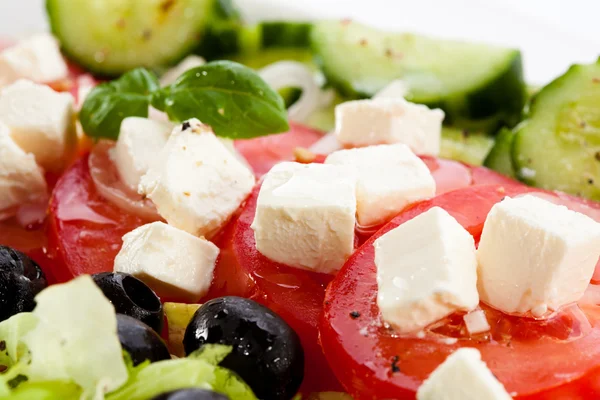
{"x":53,"y":390}
{"x":199,"y":370}
{"x":71,"y":336}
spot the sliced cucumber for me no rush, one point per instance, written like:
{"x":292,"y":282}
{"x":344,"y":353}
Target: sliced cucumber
{"x":558,"y":146}
{"x":462,"y":145}
{"x":285,"y":34}
{"x":226,"y":40}
{"x":469,"y":81}
{"x":110,"y":37}
{"x":262,"y":58}
{"x":500,"y":157}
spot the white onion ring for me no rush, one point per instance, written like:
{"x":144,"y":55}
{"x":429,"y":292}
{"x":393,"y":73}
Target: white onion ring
{"x":108,"y":183}
{"x":284,"y":74}
{"x":326,"y":145}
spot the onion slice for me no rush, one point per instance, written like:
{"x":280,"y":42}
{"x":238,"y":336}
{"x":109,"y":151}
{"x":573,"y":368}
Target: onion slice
{"x":284,"y":74}
{"x":108,"y":183}
{"x":326,"y":145}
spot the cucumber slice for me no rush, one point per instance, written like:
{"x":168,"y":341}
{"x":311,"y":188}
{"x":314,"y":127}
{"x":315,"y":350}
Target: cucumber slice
{"x":226,"y":40}
{"x":110,"y":37}
{"x":500,"y":158}
{"x":468,"y":81}
{"x":462,"y":145}
{"x":285,"y":34}
{"x":260,"y":59}
{"x":558,"y":146}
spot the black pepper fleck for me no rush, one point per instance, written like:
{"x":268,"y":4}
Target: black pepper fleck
{"x":466,"y":133}
{"x":185,"y":125}
{"x":590,"y":181}
{"x":327,"y":302}
{"x":395,"y":367}
{"x":597,"y":155}
{"x":2,"y":345}
{"x":354,"y":314}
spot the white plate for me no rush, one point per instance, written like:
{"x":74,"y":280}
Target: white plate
{"x":551,"y":33}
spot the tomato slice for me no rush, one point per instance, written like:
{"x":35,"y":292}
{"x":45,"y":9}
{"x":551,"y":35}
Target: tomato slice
{"x":84,"y":230}
{"x":295,"y":294}
{"x":265,"y":151}
{"x":556,"y":358}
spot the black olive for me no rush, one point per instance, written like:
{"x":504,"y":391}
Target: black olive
{"x":191,"y":394}
{"x":131,"y":296}
{"x":21,"y":279}
{"x":267,"y":353}
{"x":140,"y":341}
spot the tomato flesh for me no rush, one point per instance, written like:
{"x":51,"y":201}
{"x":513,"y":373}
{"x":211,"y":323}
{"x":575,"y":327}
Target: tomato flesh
{"x":84,"y":230}
{"x":533,"y":359}
{"x":265,"y":151}
{"x":294,"y":294}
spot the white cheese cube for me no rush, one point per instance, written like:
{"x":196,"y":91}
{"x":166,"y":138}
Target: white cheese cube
{"x":426,"y":270}
{"x":191,"y":61}
{"x":175,"y":264}
{"x":394,"y":90}
{"x":305,"y":216}
{"x":140,"y":140}
{"x":196,"y":183}
{"x":21,"y":179}
{"x":535,"y":256}
{"x":40,"y":121}
{"x":37,"y":58}
{"x":462,"y":376}
{"x":389,"y":120}
{"x":476,"y":322}
{"x":390,"y":177}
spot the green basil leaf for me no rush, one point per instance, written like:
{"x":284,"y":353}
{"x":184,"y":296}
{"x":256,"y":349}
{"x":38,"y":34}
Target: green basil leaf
{"x":233,"y":99}
{"x":108,"y":104}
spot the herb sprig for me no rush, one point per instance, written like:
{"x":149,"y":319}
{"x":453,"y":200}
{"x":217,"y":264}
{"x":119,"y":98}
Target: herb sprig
{"x":233,"y":99}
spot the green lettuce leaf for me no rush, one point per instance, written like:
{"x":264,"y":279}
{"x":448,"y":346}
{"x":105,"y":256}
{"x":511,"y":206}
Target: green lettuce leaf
{"x":76,"y":339}
{"x":198,"y":371}
{"x":53,"y":390}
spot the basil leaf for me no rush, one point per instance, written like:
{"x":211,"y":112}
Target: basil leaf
{"x":108,"y":104}
{"x":233,"y":99}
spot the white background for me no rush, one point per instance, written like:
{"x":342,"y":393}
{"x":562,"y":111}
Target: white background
{"x":552,"y":33}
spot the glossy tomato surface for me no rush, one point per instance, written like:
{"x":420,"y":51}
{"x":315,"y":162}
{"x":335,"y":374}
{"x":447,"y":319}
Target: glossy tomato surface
{"x":554,"y":359}
{"x":265,"y":151}
{"x":295,"y":294}
{"x":84,"y":230}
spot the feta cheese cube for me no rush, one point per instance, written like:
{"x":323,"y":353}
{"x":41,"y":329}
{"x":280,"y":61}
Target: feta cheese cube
{"x":191,"y":61}
{"x":175,"y":264}
{"x":196,"y":183}
{"x":390,"y":177}
{"x":37,"y":58}
{"x":140,"y":140}
{"x":426,"y":270}
{"x":21,"y":179}
{"x":394,"y":90}
{"x":535,"y":256}
{"x":463,"y":376}
{"x":389,"y":120}
{"x":476,"y":322}
{"x":305,"y":216}
{"x":40,"y":121}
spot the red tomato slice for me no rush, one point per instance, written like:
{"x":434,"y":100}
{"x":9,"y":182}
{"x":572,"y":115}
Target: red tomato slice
{"x":295,"y":294}
{"x":265,"y":151}
{"x":84,"y":230}
{"x":557,"y":358}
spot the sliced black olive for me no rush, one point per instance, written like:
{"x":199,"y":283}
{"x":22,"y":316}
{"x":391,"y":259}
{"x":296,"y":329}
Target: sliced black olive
{"x":191,"y":394}
{"x":21,"y":279}
{"x":267,"y":353}
{"x":131,"y":296}
{"x":140,"y":341}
